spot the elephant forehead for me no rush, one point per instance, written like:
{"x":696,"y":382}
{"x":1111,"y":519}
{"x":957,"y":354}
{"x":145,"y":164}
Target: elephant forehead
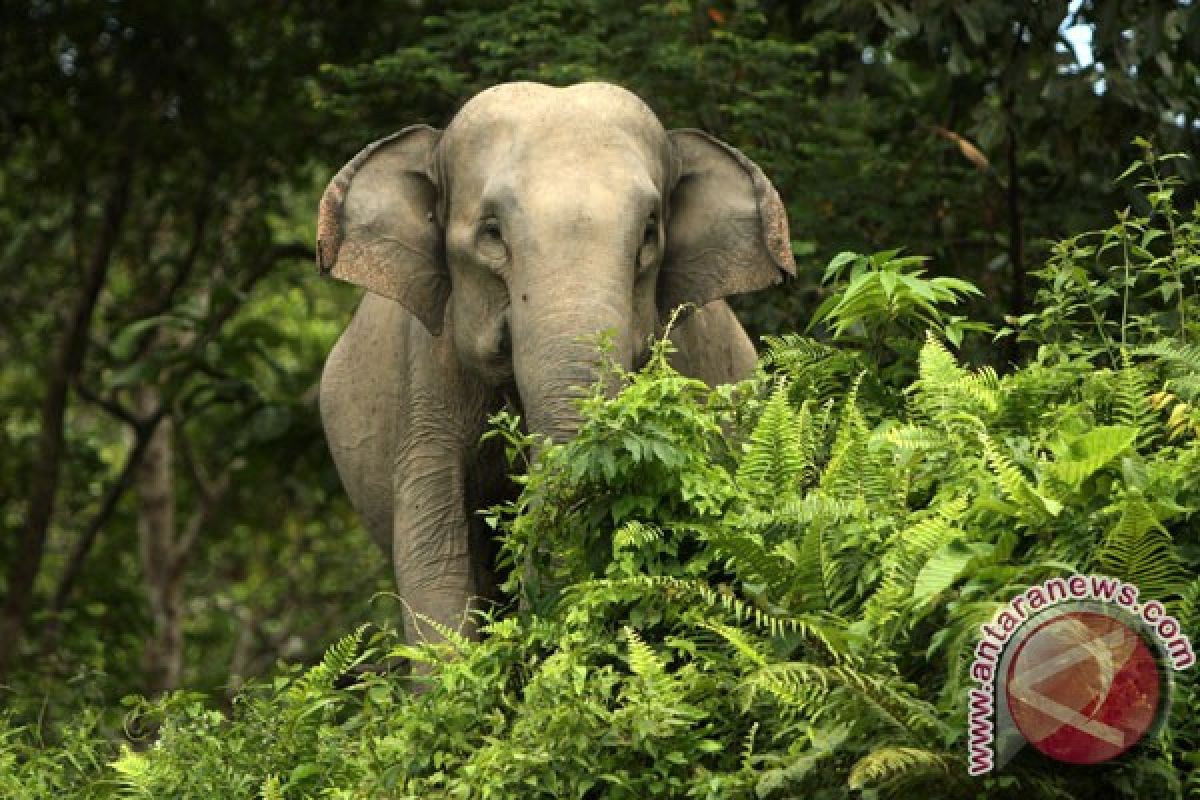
{"x":530,"y":114}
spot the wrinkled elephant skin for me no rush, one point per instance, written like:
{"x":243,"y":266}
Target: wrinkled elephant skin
{"x":492,"y":251}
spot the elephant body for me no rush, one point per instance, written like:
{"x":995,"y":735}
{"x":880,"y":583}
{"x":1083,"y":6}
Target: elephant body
{"x":494,"y":252}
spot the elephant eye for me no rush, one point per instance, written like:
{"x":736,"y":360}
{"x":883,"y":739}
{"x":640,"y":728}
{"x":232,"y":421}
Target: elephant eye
{"x":648,"y":251}
{"x":651,"y":235}
{"x":491,"y":226}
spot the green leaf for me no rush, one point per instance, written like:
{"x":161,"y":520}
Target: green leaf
{"x":946,"y":566}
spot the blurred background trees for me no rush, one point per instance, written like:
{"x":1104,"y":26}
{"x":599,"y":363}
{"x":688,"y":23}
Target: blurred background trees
{"x":169,"y":514}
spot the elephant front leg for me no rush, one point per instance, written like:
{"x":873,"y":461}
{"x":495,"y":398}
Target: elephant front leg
{"x":431,"y":549}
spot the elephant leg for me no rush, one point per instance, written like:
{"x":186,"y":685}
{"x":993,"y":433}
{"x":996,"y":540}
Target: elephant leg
{"x":431,"y":533}
{"x":431,"y":544}
{"x":712,"y":346}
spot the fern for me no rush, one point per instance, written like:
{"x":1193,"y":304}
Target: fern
{"x":816,"y":370}
{"x":825,"y":631}
{"x":271,"y":789}
{"x":338,"y":660}
{"x":814,"y":506}
{"x":805,"y":687}
{"x":777,"y":457}
{"x":635,"y":534}
{"x":749,"y":651}
{"x":1016,"y":486}
{"x":914,"y":438}
{"x":911,"y":550}
{"x":643,"y":661}
{"x":821,"y":577}
{"x":852,"y":471}
{"x":138,"y":774}
{"x":1188,"y":607}
{"x":1131,"y":402}
{"x":1183,"y":364}
{"x":455,"y":639}
{"x":749,"y":557}
{"x":885,"y":765}
{"x":1139,"y":550}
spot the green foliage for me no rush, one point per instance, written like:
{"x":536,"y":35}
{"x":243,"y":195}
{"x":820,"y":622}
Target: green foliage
{"x":763,"y":590}
{"x":1134,"y":284}
{"x":886,"y":294}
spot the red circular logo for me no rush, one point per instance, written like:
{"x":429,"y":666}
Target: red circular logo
{"x":1083,"y":687}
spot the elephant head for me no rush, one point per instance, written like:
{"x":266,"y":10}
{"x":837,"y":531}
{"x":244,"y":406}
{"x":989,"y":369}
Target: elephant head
{"x":542,"y":215}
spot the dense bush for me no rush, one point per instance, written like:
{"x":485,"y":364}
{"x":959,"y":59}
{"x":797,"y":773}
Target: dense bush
{"x":770,"y":589}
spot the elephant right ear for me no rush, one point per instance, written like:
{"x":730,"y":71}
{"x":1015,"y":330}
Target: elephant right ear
{"x":376,"y":226}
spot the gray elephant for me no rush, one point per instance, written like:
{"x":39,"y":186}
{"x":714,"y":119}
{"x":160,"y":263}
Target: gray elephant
{"x":492,"y":250}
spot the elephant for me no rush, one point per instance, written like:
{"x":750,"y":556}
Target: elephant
{"x":491,"y":251}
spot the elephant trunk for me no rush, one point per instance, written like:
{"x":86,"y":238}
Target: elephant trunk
{"x":556,"y":357}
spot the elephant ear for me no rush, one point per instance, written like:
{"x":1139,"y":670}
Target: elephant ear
{"x":376,"y":226}
{"x":727,"y":229}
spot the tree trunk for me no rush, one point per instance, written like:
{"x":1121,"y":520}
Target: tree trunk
{"x":158,"y":547}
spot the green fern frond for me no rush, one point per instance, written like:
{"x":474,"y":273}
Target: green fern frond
{"x":914,"y":438}
{"x":1015,"y":485}
{"x":742,"y":645}
{"x":459,"y":642}
{"x":748,"y":747}
{"x":936,"y":365}
{"x":821,"y":578}
{"x":140,"y":775}
{"x":744,"y":612}
{"x":1139,"y":550}
{"x":944,"y":390}
{"x":1187,"y":610}
{"x":937,"y":369}
{"x":1131,"y":401}
{"x":271,"y":788}
{"x":643,"y":661}
{"x":851,"y":472}
{"x":749,"y":558}
{"x":608,"y":590}
{"x":775,"y":462}
{"x":892,"y":764}
{"x":797,"y":513}
{"x":805,"y":687}
{"x":958,"y":639}
{"x":635,"y":534}
{"x":503,"y":628}
{"x":1183,"y":364}
{"x":826,"y":631}
{"x":906,"y":561}
{"x":338,"y":659}
{"x":816,"y":370}
{"x":983,"y":386}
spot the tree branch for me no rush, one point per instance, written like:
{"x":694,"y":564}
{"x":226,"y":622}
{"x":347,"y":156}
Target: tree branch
{"x":109,"y":404}
{"x":116,"y":490}
{"x":46,"y":469}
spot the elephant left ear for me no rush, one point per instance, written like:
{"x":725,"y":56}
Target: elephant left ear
{"x":727,"y":230}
